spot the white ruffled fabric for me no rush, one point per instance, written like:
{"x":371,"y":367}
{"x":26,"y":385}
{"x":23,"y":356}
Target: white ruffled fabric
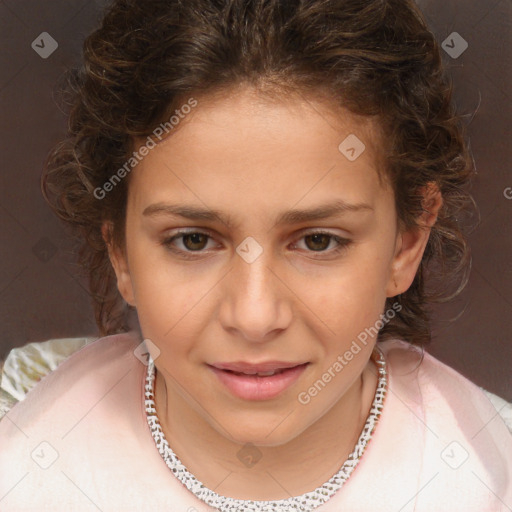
{"x":25,"y":366}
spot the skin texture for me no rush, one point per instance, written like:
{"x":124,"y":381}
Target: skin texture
{"x":254,"y":159}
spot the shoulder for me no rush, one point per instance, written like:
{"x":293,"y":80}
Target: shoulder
{"x":84,"y":374}
{"x":80,"y":438}
{"x":69,"y":419}
{"x":437,"y":379}
{"x":463,"y":437}
{"x":439,"y":383}
{"x":94,"y":360}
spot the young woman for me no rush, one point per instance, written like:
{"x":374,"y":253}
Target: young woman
{"x":274,"y":188}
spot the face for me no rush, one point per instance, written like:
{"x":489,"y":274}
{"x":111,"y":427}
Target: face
{"x":251,"y":237}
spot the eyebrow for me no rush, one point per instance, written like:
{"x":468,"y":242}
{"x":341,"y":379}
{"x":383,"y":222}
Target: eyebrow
{"x":296,"y":216}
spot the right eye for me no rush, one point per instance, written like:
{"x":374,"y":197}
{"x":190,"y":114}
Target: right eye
{"x":191,"y":241}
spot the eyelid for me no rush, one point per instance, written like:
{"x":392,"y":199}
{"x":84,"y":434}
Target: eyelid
{"x":321,"y":231}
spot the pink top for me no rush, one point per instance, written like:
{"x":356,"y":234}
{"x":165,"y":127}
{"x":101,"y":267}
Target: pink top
{"x":80,"y":441}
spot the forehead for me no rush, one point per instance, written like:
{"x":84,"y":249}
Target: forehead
{"x":246,"y":147}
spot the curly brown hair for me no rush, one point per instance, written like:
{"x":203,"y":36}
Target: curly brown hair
{"x":374,"y":57}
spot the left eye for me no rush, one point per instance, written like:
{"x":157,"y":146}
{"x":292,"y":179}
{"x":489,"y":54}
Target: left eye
{"x":319,"y":241}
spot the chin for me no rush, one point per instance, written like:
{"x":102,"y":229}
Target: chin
{"x":261,"y":432}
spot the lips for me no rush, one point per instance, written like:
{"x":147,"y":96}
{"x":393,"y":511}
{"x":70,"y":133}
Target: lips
{"x":252,"y":369}
{"x":261,"y":381}
{"x":259,"y":374}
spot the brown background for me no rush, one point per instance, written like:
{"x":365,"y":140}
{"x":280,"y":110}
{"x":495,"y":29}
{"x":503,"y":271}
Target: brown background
{"x":41,"y":295}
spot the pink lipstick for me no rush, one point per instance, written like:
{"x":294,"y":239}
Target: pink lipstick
{"x":261,"y":381}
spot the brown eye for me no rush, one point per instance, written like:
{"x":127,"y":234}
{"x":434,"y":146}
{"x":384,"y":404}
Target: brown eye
{"x":325,"y":243}
{"x":319,"y":241}
{"x":195,"y":241}
{"x":187,"y":242}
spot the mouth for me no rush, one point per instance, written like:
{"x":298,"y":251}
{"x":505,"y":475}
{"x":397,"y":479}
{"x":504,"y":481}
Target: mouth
{"x":258,"y":382}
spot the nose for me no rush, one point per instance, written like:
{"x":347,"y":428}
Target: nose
{"x":256,"y":304}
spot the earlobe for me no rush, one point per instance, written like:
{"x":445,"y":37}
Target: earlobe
{"x":410,"y":243}
{"x":119,"y":264}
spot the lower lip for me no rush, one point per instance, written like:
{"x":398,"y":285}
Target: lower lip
{"x":253,"y":387}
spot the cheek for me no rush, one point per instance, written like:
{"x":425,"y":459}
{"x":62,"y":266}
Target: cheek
{"x":351,"y":296}
{"x":168,"y":300}
{"x":158,"y":283}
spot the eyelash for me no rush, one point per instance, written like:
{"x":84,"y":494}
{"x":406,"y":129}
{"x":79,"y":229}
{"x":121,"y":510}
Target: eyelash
{"x":343,"y":243}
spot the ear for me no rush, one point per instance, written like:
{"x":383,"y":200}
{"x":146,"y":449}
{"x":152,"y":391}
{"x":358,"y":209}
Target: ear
{"x":119,"y":263}
{"x":411,"y":243}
